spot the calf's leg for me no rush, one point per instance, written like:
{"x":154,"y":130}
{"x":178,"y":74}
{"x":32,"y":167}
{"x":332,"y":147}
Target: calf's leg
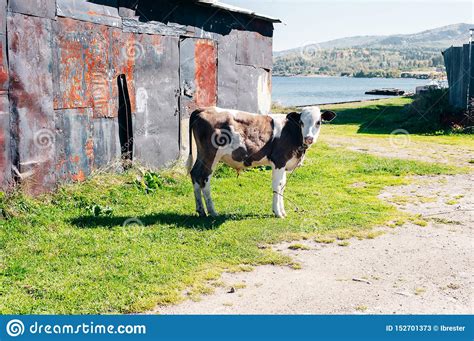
{"x":201,"y":176}
{"x":198,"y":199}
{"x":207,"y":197}
{"x":278,"y":181}
{"x":282,"y":191}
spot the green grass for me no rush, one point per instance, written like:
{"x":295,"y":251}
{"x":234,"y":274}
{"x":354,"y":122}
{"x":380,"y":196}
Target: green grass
{"x":57,"y":255}
{"x":376,"y":119}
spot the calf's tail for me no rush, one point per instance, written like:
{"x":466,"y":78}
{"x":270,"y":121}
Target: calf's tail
{"x":190,"y":160}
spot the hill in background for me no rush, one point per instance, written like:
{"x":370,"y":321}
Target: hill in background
{"x":409,"y":55}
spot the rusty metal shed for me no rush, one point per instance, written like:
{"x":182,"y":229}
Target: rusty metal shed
{"x":84,"y":83}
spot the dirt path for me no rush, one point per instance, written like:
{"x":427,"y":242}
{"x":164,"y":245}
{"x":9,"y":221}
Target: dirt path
{"x":409,"y":269}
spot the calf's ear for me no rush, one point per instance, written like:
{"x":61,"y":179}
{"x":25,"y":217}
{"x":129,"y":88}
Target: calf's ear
{"x":328,"y":116}
{"x":294,"y":116}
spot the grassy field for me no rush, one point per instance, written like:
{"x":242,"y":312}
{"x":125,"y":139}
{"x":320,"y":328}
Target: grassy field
{"x":111,"y":246}
{"x":378,"y":118}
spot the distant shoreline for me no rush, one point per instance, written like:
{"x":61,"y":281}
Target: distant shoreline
{"x":329,"y":76}
{"x":346,"y":102}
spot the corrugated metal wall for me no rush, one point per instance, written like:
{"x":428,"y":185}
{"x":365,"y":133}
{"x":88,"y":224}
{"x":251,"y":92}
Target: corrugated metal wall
{"x":460,"y":72}
{"x":82,"y":83}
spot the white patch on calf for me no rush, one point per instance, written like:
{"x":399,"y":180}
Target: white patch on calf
{"x":230,"y":111}
{"x":278,"y":123}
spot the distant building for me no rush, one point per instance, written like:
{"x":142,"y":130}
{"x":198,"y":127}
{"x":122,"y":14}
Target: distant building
{"x":84,"y":83}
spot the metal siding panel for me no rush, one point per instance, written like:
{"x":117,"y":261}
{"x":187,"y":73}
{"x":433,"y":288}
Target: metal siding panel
{"x":247,"y":89}
{"x":254,"y":49}
{"x":5,"y":157}
{"x":465,"y":74}
{"x":31,"y":100}
{"x":39,"y":8}
{"x":187,"y":71}
{"x":264,"y":92}
{"x":105,"y":13}
{"x":454,"y":68}
{"x":156,"y":126}
{"x":458,"y":76}
{"x":227,"y":72}
{"x":106,"y":141}
{"x":3,"y":16}
{"x":254,"y":89}
{"x":3,"y":65}
{"x":74,"y":144}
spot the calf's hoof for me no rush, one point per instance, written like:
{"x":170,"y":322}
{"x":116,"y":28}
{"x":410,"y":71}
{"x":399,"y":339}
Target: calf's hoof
{"x":213,"y":213}
{"x":201,"y":214}
{"x":279,"y":215}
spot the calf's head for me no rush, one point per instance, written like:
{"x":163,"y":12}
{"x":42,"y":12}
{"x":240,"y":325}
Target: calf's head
{"x":310,"y":119}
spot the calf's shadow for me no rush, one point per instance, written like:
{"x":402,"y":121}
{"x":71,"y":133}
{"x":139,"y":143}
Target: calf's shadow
{"x":177,"y":220}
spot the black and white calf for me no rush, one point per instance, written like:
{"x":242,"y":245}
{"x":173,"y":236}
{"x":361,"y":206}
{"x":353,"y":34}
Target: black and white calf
{"x":241,"y":139}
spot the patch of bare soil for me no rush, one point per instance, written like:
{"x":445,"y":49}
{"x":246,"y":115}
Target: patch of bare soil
{"x":408,"y":270}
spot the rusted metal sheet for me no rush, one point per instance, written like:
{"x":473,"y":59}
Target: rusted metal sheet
{"x":3,"y":65}
{"x":152,"y":27}
{"x":5,"y":152}
{"x":31,"y":103}
{"x":156,"y":126}
{"x":38,"y":8}
{"x":98,"y":76}
{"x":88,"y":60}
{"x":254,"y":49}
{"x":74,"y":144}
{"x":205,"y":55}
{"x":124,"y":50}
{"x":70,"y":88}
{"x":106,"y":141}
{"x":104,"y":12}
{"x":198,"y":74}
{"x":81,"y":78}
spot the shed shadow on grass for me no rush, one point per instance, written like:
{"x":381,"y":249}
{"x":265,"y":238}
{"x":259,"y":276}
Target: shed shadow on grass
{"x":422,"y":116}
{"x":190,"y":221}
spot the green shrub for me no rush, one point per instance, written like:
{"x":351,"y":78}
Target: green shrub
{"x":438,"y":115}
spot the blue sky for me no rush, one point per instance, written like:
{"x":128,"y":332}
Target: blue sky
{"x":313,"y":21}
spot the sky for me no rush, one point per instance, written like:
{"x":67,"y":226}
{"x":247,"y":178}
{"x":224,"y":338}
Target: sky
{"x":315,"y":21}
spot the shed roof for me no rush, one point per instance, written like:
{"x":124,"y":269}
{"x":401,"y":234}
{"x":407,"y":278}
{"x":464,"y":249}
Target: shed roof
{"x":231,"y":8}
